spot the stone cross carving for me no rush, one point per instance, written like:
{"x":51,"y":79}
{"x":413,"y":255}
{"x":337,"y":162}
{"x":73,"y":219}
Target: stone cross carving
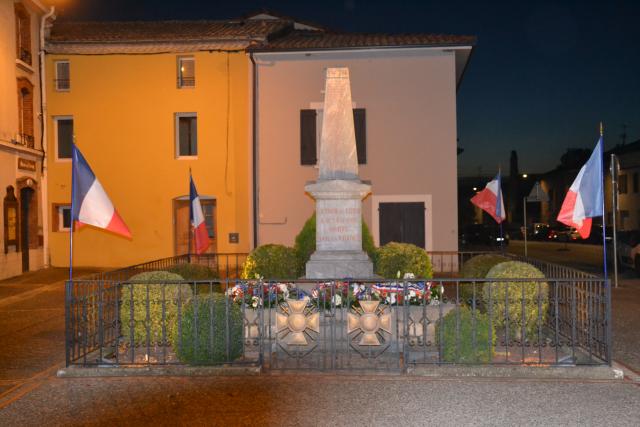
{"x":338,"y":154}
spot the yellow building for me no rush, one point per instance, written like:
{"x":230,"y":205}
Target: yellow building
{"x":22,"y":185}
{"x":145,"y":102}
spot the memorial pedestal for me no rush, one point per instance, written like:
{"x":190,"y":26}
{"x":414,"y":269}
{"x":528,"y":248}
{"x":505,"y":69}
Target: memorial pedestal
{"x":339,"y":251}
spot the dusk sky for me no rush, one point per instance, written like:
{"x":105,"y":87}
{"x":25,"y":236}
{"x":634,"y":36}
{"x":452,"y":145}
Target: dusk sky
{"x":543,"y":74}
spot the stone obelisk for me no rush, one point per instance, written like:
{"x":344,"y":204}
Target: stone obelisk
{"x":338,"y":192}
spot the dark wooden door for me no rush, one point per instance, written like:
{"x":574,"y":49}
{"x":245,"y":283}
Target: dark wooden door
{"x":182,"y":227}
{"x":25,"y":205}
{"x":402,"y":222}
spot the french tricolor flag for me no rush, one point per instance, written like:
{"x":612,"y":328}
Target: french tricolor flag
{"x":585,"y":197}
{"x":490,"y":199}
{"x":90,"y":203}
{"x":196,"y":215}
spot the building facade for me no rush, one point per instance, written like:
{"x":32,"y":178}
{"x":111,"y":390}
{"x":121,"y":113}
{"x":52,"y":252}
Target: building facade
{"x":239,"y":103}
{"x":147,"y":103}
{"x":22,"y":190}
{"x":404,"y":101}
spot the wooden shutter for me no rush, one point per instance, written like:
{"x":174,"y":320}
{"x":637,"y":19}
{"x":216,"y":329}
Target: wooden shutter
{"x":360,"y":124}
{"x":308,"y":137}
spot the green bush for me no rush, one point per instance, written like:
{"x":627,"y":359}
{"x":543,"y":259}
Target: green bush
{"x":405,"y":258}
{"x":271,"y":262}
{"x":457,"y":329}
{"x":306,"y":243}
{"x":535,"y":299}
{"x":477,"y":268}
{"x":154,"y":287}
{"x":203,"y":336}
{"x":194,"y":272}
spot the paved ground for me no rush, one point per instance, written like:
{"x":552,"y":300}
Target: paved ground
{"x":31,"y":349}
{"x":319,"y":400}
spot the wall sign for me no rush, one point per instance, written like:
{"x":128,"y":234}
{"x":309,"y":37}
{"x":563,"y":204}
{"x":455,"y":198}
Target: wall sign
{"x":26,"y":164}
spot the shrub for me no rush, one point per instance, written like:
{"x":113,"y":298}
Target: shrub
{"x":457,"y":329}
{"x":477,"y":268}
{"x":405,"y":258}
{"x":154,"y":287}
{"x":306,"y":243}
{"x":203,"y":335}
{"x":271,"y":262}
{"x":194,"y":272}
{"x":535,"y":296}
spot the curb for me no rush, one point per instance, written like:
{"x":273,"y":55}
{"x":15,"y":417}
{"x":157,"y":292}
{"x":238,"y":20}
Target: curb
{"x":519,"y":372}
{"x":156,"y":371}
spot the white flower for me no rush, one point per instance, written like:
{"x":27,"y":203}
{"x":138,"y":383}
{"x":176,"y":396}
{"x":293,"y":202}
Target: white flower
{"x":256,"y":302}
{"x":391,"y":298}
{"x":412,"y":294}
{"x":284,"y":289}
{"x":337,"y":300}
{"x":409,"y":276}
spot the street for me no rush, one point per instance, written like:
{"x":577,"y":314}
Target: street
{"x":32,"y":322}
{"x":581,"y":256}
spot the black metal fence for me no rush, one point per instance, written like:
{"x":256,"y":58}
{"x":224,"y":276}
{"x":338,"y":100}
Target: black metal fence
{"x":222,"y":266}
{"x":337,"y":325}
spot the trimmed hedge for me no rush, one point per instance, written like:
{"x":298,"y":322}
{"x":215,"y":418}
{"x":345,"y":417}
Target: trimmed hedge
{"x":203,"y":335}
{"x":405,"y":258}
{"x":194,"y":272}
{"x":477,"y":268}
{"x":460,"y":323}
{"x":271,"y":262}
{"x":535,"y":298}
{"x":305,"y":243}
{"x":155,"y":298}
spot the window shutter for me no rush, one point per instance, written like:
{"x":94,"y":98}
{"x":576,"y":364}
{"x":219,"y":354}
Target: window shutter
{"x":360,"y":124}
{"x":308,"y":137}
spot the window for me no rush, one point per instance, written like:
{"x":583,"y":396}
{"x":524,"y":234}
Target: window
{"x":635,"y":182}
{"x":64,"y":136}
{"x":25,"y":112}
{"x":186,"y":135}
{"x":186,"y":71}
{"x":208,"y":207}
{"x":310,"y":126}
{"x":61,"y":217}
{"x":622,"y":184}
{"x":63,"y":76}
{"x":23,"y":33}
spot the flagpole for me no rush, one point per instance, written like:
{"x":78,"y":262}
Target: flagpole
{"x":604,"y":232}
{"x":501,"y":201}
{"x":189,"y":220}
{"x":525,"y":225}
{"x":71,"y":227}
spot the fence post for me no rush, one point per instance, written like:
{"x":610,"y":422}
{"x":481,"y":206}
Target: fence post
{"x":607,"y":284}
{"x":67,"y":320}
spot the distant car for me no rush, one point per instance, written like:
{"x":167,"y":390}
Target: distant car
{"x":483,"y":235}
{"x":564,"y":234}
{"x":538,"y":231}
